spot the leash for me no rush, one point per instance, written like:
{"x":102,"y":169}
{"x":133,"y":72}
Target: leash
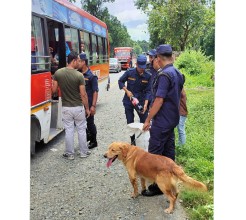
{"x":137,"y":137}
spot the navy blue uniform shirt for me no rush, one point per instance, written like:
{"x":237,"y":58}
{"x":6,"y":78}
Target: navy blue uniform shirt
{"x":91,"y":85}
{"x":138,"y":85}
{"x":168,"y":88}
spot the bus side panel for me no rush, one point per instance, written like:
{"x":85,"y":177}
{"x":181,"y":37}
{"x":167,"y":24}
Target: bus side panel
{"x":101,"y":70}
{"x":43,"y":115}
{"x":40,"y":88}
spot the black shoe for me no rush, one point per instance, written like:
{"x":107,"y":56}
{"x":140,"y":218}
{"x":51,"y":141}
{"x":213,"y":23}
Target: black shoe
{"x":155,"y":191}
{"x":92,"y":145}
{"x":153,"y":187}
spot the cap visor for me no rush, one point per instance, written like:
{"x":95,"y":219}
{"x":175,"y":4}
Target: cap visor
{"x":142,"y":66}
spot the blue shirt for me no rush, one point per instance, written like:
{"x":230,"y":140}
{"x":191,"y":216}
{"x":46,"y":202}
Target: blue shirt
{"x":91,"y":85}
{"x":169,"y":88}
{"x":138,"y":85}
{"x":153,"y":73}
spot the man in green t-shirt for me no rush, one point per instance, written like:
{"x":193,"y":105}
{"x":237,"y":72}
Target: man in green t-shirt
{"x":75,"y":107}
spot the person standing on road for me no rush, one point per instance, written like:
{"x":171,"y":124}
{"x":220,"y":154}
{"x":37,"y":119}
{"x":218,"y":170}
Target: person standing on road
{"x":183,"y":111}
{"x":138,"y":86}
{"x":152,"y":70}
{"x":164,"y":112}
{"x":91,"y":85}
{"x":74,"y":105}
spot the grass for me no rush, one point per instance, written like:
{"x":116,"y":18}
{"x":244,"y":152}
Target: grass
{"x":197,"y":155}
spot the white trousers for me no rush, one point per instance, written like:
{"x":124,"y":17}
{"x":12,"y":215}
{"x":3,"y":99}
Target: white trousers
{"x":72,"y":116}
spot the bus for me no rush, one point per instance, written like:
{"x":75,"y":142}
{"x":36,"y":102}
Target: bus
{"x":58,"y":27}
{"x":126,"y":56}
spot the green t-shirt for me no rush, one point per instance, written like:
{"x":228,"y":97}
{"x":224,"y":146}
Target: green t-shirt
{"x":69,"y":81}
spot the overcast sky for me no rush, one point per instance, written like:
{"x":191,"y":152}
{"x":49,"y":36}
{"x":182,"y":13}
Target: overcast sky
{"x":128,"y":14}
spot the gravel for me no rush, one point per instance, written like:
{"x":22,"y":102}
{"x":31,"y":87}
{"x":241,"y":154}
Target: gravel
{"x":85,"y":188}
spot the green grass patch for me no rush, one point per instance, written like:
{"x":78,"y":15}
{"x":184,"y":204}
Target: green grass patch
{"x":197,"y":155}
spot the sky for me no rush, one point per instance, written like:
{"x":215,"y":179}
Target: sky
{"x":128,"y":14}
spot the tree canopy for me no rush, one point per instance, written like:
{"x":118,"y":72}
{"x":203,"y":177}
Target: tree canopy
{"x":184,"y":24}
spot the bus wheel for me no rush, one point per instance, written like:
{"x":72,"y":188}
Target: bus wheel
{"x":35,"y":133}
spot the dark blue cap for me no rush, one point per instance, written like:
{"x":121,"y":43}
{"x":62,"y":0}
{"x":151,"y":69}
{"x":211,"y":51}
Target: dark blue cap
{"x":82,"y":56}
{"x":152,"y":52}
{"x":141,"y":61}
{"x":164,"y":49}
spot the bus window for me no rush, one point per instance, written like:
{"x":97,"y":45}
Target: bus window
{"x":105,"y":50}
{"x":100,"y":49}
{"x":85,"y":39}
{"x":72,"y":40}
{"x":39,"y":60}
{"x":94,"y":49}
{"x":75,"y":40}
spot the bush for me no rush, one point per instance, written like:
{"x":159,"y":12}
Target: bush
{"x":197,"y":155}
{"x":198,"y":68}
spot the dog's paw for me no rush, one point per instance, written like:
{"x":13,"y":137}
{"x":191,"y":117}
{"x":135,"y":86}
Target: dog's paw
{"x":168,"y":211}
{"x":134,"y":195}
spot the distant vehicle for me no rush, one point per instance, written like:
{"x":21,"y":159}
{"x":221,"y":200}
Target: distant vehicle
{"x":147,"y":55}
{"x":126,"y":56}
{"x":114,"y":65}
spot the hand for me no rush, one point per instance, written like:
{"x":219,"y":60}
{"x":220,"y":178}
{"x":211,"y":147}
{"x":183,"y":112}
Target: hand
{"x":92,"y":110}
{"x":129,"y":94}
{"x":146,"y":125}
{"x":144,"y":109}
{"x":87,"y":113}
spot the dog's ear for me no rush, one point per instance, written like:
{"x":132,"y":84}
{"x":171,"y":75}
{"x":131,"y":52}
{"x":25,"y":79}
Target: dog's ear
{"x":124,"y":150}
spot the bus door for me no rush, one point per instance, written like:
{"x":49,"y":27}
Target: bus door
{"x":57,"y":49}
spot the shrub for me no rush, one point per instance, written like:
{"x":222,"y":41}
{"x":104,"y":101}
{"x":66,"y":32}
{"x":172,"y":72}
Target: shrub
{"x":198,"y":68}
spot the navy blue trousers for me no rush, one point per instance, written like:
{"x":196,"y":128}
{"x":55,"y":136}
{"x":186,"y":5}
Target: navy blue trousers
{"x":91,"y":127}
{"x":162,"y":142}
{"x":129,"y":112}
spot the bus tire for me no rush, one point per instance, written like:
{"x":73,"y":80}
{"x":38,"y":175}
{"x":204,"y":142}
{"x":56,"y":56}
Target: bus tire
{"x":35,"y":133}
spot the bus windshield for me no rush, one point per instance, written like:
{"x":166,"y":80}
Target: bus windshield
{"x":122,"y":53}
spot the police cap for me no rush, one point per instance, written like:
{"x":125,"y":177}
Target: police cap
{"x":141,"y":61}
{"x":82,"y":56}
{"x":152,"y":52}
{"x":164,"y":49}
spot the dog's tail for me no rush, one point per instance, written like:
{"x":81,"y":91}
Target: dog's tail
{"x":178,"y":171}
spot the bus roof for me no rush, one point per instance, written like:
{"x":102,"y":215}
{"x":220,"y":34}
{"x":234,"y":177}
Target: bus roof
{"x":65,"y":12}
{"x":123,"y":48}
{"x":81,"y":12}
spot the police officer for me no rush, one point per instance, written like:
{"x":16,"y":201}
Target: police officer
{"x":138,"y":86}
{"x":164,"y":112}
{"x":151,"y":54}
{"x":150,"y":68}
{"x":91,"y":85}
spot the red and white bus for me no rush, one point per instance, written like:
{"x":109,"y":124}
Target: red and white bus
{"x":57,"y":28}
{"x":126,"y":56}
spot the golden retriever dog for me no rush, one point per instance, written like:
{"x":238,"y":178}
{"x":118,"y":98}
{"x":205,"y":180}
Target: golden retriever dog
{"x":153,"y":168}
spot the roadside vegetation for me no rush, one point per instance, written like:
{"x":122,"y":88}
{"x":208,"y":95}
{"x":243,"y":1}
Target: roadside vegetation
{"x":197,"y":155}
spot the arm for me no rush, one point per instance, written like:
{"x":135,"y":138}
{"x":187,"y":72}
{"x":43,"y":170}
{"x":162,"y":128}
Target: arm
{"x":84,"y":98}
{"x":153,"y":111}
{"x":95,"y":95}
{"x":94,"y":102}
{"x":54,"y":86}
{"x":147,"y":95}
{"x":121,"y":83}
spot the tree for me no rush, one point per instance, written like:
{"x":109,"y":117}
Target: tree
{"x":207,"y":41}
{"x":177,"y":22}
{"x":95,"y":7}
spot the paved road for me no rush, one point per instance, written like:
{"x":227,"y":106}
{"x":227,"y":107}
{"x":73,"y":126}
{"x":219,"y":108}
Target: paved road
{"x":85,"y":188}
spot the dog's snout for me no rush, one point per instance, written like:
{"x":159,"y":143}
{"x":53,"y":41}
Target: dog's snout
{"x":105,"y":155}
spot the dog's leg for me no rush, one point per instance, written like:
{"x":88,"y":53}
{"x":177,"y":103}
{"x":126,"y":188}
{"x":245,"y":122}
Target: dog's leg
{"x":143,"y":184}
{"x":167,"y":188}
{"x":133,"y":180}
